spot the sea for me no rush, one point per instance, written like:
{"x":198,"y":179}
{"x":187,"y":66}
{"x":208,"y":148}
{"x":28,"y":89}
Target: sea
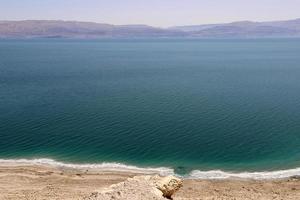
{"x":197,"y":108}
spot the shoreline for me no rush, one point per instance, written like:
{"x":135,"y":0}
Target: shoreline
{"x":25,"y":181}
{"x":163,"y":171}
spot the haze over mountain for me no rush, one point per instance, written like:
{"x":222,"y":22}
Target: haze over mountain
{"x":73,"y":29}
{"x":290,"y":28}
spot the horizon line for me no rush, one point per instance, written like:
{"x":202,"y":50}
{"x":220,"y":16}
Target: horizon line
{"x":139,"y":24}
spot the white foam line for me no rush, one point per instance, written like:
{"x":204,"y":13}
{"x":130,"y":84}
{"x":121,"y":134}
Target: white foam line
{"x":103,"y":166}
{"x":164,"y":171}
{"x":218,"y":174}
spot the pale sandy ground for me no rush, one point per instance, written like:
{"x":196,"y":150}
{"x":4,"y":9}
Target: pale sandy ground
{"x":49,"y":183}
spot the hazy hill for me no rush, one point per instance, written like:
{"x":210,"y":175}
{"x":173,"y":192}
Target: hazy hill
{"x":244,"y":29}
{"x":72,"y":29}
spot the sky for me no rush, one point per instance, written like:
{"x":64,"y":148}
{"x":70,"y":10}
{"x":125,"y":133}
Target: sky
{"x":160,"y":13}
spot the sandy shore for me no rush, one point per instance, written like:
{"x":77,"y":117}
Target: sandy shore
{"x":34,"y":182}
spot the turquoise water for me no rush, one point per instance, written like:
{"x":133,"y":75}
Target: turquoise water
{"x":182,"y":104}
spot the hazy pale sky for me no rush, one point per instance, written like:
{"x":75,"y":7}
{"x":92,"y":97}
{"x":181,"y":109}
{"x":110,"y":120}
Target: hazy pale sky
{"x":152,"y":12}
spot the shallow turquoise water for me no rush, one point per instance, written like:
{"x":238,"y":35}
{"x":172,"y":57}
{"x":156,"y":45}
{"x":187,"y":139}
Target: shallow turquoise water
{"x":185,"y":104}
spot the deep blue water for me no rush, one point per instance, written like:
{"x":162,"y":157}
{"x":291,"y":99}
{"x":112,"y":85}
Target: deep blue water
{"x":186,"y":104}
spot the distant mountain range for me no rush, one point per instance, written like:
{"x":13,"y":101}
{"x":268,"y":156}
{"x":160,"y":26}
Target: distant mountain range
{"x":73,"y":29}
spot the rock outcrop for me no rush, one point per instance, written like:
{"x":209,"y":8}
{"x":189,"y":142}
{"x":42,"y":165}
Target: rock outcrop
{"x":140,"y":188}
{"x":167,"y":185}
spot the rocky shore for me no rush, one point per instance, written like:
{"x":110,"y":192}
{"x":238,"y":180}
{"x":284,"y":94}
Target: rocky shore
{"x":35,"y":182}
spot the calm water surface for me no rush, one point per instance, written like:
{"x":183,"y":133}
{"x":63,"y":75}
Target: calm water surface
{"x":186,"y":104}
